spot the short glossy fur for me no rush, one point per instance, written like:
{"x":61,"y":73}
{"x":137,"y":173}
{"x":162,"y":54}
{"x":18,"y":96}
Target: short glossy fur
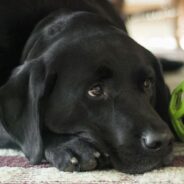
{"x":82,"y":94}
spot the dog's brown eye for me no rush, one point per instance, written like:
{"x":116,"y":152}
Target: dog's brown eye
{"x":147,"y":84}
{"x":96,"y":91}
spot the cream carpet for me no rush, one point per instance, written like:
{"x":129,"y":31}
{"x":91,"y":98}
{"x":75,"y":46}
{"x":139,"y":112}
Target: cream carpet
{"x":14,"y":169}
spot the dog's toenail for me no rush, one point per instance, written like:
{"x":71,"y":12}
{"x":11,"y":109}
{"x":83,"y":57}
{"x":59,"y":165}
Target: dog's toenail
{"x":97,"y":155}
{"x":107,"y":155}
{"x":74,"y":161}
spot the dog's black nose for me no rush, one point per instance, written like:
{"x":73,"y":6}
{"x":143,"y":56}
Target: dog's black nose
{"x":157,"y":141}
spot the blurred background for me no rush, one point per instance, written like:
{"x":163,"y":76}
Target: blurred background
{"x":158,"y":25}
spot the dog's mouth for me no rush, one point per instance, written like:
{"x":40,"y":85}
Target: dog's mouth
{"x":141,"y":164}
{"x":140,"y":169}
{"x":168,"y":160}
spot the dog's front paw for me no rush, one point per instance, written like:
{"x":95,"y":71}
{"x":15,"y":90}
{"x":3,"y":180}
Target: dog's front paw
{"x":76,"y":155}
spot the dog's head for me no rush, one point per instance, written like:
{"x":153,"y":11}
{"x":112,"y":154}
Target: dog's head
{"x":89,"y":77}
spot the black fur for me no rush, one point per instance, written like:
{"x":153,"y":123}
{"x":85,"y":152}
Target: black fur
{"x":57,"y":50}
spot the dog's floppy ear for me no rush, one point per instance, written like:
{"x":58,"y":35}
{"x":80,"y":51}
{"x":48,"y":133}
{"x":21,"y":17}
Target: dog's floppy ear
{"x":20,"y":101}
{"x":162,"y":98}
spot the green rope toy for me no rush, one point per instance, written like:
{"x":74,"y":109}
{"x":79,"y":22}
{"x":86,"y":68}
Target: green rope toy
{"x":177,"y":110}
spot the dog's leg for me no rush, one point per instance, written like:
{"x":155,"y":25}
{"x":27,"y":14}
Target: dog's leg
{"x":74,"y":153}
{"x":5,"y":139}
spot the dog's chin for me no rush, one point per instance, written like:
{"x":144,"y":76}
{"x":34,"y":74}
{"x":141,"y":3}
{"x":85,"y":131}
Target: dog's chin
{"x":141,"y":169}
{"x":142,"y":166}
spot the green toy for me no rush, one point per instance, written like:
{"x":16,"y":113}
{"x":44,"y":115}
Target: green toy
{"x":177,"y":110}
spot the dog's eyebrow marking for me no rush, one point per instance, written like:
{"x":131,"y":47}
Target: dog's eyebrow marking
{"x":104,"y":72}
{"x":146,"y":72}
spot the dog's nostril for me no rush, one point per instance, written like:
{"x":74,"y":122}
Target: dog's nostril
{"x":152,"y":144}
{"x":156,"y":141}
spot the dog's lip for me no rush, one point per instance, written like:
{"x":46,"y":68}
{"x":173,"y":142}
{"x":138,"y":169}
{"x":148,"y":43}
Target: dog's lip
{"x":168,"y":160}
{"x":162,"y":161}
{"x":146,"y":169}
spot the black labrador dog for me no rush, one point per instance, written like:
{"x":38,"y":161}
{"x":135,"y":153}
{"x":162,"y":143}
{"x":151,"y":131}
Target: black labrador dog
{"x":77,"y":91}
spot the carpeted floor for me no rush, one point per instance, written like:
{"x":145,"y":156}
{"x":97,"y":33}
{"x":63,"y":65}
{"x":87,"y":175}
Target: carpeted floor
{"x":14,"y":169}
